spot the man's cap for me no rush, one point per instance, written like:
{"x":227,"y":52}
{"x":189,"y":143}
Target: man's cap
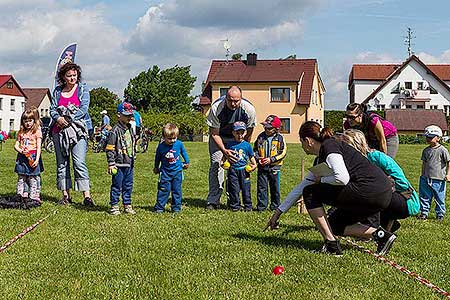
{"x":125,"y":108}
{"x":103,"y":112}
{"x":432,"y":131}
{"x":272,"y":121}
{"x":239,"y":126}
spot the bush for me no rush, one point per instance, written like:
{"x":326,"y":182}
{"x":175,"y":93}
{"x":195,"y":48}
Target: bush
{"x":12,"y":134}
{"x":334,"y":119}
{"x":411,"y":139}
{"x":189,"y":123}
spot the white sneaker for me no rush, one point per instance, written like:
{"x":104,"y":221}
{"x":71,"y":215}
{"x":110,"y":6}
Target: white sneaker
{"x":128,"y":209}
{"x":114,"y":210}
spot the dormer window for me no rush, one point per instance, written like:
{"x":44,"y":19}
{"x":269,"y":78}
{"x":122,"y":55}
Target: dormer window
{"x":9,"y":85}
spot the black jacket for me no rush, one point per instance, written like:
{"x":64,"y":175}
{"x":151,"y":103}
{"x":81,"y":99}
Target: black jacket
{"x":120,"y":146}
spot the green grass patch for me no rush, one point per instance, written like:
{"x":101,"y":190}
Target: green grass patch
{"x":79,"y":253}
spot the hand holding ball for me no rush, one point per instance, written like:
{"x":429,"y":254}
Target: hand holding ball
{"x":248,"y":168}
{"x":114,"y":171}
{"x":226,"y":165}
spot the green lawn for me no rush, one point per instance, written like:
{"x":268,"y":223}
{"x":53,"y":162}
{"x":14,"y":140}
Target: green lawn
{"x":87,"y":254}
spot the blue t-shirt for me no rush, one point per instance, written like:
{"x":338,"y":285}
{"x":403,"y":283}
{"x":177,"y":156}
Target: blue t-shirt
{"x":168,"y":157}
{"x":137,"y":118}
{"x":243,"y":151}
{"x":105,"y":120}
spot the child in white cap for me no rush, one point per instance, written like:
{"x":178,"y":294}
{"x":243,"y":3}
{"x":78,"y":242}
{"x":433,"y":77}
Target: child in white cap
{"x":435,"y":173}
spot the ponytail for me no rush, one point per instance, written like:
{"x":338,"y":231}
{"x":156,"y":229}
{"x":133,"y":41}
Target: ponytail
{"x":312,"y":130}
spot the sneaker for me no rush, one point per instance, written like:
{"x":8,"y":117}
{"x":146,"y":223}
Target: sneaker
{"x":332,"y":248}
{"x":248,"y":209}
{"x":440,"y":218}
{"x":211,"y":206}
{"x":88,"y":202}
{"x":65,"y":200}
{"x":422,"y":217}
{"x":114,"y":210}
{"x":384,"y":240}
{"x":236,"y":209}
{"x":128,"y":209}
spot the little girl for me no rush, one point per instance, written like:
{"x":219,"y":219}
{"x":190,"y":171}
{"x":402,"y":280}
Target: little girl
{"x":28,"y":163}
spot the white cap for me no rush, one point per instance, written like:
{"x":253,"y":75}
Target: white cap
{"x":103,"y":112}
{"x":432,"y":131}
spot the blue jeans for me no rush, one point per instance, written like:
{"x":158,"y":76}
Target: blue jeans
{"x":238,"y":180}
{"x":81,"y":173}
{"x":166,"y":185}
{"x":429,"y":188}
{"x":122,"y":183}
{"x":268,"y":179}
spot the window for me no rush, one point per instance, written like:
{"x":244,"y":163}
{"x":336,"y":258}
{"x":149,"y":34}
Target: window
{"x":408,"y":85}
{"x":419,"y":106}
{"x":9,"y":85}
{"x":395,"y":106}
{"x":279,"y":94}
{"x":42,"y":112}
{"x":13,"y":105}
{"x":396,"y":89}
{"x":447,"y":110}
{"x":381,"y":107}
{"x":1,"y":103}
{"x":46,"y":112}
{"x":285,"y":125}
{"x":223,"y":91}
{"x":433,"y":90}
{"x":408,"y":106}
{"x":1,"y":124}
{"x":11,"y":124}
{"x":420,"y":85}
{"x":23,"y":106}
{"x":433,"y":107}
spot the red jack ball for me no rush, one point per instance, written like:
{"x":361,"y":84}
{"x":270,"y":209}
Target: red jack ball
{"x":278,"y":270}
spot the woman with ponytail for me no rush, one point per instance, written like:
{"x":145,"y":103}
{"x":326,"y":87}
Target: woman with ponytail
{"x":358,"y":190}
{"x":380,"y":134}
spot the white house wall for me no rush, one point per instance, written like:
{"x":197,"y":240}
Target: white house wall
{"x":364,"y":88}
{"x":6,"y":114}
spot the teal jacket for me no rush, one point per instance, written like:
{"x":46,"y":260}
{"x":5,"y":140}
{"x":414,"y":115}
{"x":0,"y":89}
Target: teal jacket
{"x":392,"y":169}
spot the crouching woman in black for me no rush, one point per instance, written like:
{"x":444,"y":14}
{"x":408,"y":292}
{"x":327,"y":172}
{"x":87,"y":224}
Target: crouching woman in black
{"x":358,"y":189}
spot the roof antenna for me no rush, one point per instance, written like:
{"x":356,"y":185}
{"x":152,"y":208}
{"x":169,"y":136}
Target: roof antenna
{"x":408,"y":41}
{"x":227,"y":47}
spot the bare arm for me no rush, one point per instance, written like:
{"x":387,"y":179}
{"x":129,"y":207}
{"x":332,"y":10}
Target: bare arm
{"x":248,"y":136}
{"x":228,"y":154}
{"x":379,"y":132}
{"x":448,"y":172}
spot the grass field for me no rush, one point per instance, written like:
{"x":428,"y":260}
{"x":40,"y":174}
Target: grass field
{"x":79,"y":253}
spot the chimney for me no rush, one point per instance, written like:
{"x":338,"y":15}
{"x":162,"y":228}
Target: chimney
{"x":251,"y":59}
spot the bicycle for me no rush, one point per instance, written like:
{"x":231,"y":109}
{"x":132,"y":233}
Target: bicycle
{"x":47,"y":141}
{"x":145,"y":136}
{"x":99,"y":140}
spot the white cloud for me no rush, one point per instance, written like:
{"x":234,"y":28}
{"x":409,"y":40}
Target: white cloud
{"x":443,"y":58}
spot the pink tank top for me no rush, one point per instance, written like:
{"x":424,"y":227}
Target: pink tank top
{"x":63,"y":101}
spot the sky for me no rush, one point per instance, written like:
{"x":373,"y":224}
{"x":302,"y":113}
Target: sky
{"x":119,"y":39}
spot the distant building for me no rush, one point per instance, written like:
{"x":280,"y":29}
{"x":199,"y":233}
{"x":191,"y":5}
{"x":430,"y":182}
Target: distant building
{"x":411,"y":85}
{"x":12,"y":103}
{"x":40,"y":98}
{"x":414,"y":121}
{"x":291,"y":89}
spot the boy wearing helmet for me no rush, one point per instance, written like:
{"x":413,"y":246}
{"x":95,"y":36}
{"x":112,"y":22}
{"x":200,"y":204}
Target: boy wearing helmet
{"x":270,"y":150}
{"x":435,"y":173}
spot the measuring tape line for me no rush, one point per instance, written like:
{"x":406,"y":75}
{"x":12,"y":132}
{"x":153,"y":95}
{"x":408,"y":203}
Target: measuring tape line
{"x":24,"y":232}
{"x":400,"y":268}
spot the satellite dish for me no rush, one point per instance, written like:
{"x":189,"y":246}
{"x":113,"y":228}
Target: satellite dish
{"x":227,"y":44}
{"x":372,"y":104}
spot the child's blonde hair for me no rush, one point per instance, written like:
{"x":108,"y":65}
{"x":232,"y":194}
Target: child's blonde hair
{"x":30,"y":113}
{"x":357,"y":140}
{"x":170,"y":130}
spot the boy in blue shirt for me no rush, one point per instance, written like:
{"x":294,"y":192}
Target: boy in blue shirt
{"x":238,"y":175}
{"x":169,"y":166}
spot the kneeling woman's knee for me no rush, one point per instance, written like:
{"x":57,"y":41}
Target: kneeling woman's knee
{"x":310,"y":198}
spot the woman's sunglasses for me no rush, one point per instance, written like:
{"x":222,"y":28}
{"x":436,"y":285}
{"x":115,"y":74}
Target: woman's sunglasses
{"x":351,"y":117}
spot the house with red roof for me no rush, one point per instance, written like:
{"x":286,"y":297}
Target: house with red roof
{"x":12,"y":103}
{"x":402,"y":88}
{"x":40,"y":98}
{"x":291,"y":89}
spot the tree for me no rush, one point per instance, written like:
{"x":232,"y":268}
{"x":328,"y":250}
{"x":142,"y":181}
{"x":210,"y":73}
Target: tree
{"x":236,"y":56}
{"x":103,"y":99}
{"x":162,"y":91}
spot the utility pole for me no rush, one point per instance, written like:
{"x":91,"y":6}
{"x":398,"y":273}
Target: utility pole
{"x":408,"y":41}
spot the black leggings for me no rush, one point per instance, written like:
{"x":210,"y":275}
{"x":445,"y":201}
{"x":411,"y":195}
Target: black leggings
{"x":397,"y":209}
{"x":351,"y":207}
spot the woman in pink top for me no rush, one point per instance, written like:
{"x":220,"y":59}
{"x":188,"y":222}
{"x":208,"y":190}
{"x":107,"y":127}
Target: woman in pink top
{"x":380,"y":133}
{"x":69,"y":113}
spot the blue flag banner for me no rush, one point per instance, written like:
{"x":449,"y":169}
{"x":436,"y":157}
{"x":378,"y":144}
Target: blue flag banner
{"x":67,"y":55}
